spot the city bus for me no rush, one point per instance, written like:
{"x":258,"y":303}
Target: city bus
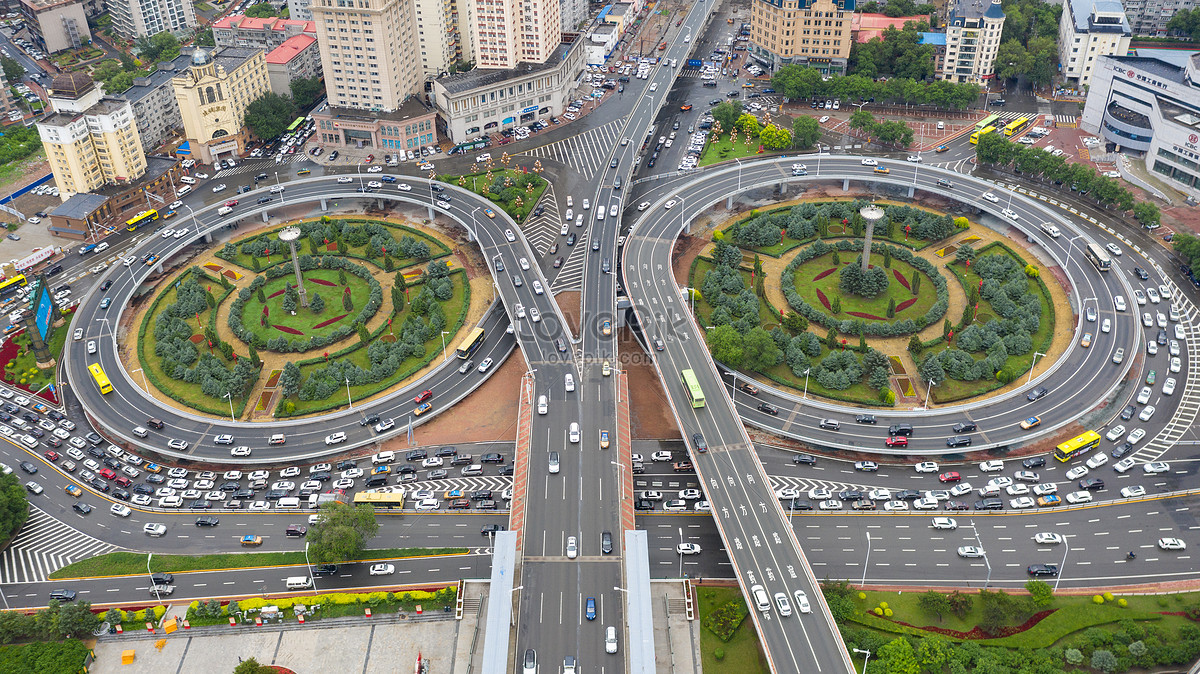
{"x":982,"y":132}
{"x":296,"y":124}
{"x":1016,"y":126}
{"x":990,"y":120}
{"x":1098,"y":257}
{"x":376,"y":499}
{"x":1077,"y":446}
{"x":12,"y":284}
{"x":692,"y":385}
{"x":101,"y":379}
{"x":140,"y":219}
{"x":470,"y":344}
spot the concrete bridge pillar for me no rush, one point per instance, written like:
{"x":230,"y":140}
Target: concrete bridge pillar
{"x":324,"y":204}
{"x":470,"y":235}
{"x":911,"y":191}
{"x":729,"y":203}
{"x":783,"y":188}
{"x":208,"y":238}
{"x":430,"y":213}
{"x":846,"y":185}
{"x":266,"y":216}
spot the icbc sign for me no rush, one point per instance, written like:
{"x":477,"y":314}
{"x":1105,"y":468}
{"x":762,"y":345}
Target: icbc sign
{"x":1193,"y":138}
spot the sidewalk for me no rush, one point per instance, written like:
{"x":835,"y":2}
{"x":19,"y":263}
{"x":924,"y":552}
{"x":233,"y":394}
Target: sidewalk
{"x":676,"y":639}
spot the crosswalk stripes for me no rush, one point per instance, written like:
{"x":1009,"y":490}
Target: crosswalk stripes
{"x":259,"y":166}
{"x":585,"y":152}
{"x":570,"y":277}
{"x":1189,"y":398}
{"x":541,"y":230}
{"x":1069,"y":121}
{"x":45,"y":545}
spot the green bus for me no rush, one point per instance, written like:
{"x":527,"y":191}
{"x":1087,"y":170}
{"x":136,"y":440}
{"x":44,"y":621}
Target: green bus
{"x":990,"y":120}
{"x":296,"y":124}
{"x":692,"y":385}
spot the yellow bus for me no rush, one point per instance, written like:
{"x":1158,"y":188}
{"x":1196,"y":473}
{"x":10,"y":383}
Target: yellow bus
{"x":1077,"y":446}
{"x":1016,"y":126}
{"x":470,"y":344}
{"x":11,"y":284}
{"x":140,"y":219}
{"x":101,"y":379}
{"x":692,"y":386}
{"x":375,"y":499}
{"x":982,"y":132}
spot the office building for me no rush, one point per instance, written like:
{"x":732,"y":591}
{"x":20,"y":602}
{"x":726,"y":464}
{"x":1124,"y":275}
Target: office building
{"x":91,"y":140}
{"x":1087,"y":31}
{"x":973,"y":30}
{"x":132,"y":19}
{"x":265,"y":34}
{"x":506,"y":33}
{"x":213,"y":94}
{"x":298,"y":57}
{"x":1148,"y":106}
{"x":442,"y":50}
{"x":485,"y":101}
{"x":154,"y":103}
{"x":815,"y":33}
{"x":56,"y":24}
{"x":367,"y":53}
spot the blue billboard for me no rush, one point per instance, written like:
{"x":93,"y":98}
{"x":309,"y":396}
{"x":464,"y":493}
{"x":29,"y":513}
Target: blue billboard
{"x":44,"y":310}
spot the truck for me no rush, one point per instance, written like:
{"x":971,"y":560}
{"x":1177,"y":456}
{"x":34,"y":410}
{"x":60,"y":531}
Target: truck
{"x":224,"y":210}
{"x":84,"y":250}
{"x":315,"y":501}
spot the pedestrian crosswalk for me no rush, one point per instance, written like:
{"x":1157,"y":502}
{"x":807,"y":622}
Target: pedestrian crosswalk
{"x":45,"y":545}
{"x":256,"y":166}
{"x":1189,"y":399}
{"x":586,"y":152}
{"x":570,"y":277}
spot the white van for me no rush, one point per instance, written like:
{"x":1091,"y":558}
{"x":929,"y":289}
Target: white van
{"x":103,"y":246}
{"x":761,"y":600}
{"x":187,"y":180}
{"x":224,"y":210}
{"x":141,"y":432}
{"x":183,"y":190}
{"x":543,"y":406}
{"x":382,"y":458}
{"x":288,"y":503}
{"x":299,"y":583}
{"x":114,"y":451}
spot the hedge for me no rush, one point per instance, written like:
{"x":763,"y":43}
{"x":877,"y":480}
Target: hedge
{"x":442,"y":249}
{"x":831,"y":394}
{"x":44,"y":657}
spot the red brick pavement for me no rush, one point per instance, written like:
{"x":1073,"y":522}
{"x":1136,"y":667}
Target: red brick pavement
{"x":516,"y":516}
{"x":624,"y":442}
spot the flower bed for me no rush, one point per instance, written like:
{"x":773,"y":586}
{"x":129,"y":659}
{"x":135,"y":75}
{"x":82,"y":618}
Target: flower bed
{"x":903,"y":281}
{"x":329,"y":322}
{"x":824,"y":300}
{"x":869,"y":317}
{"x":825,"y":273}
{"x":323,"y":282}
{"x":290,"y":331}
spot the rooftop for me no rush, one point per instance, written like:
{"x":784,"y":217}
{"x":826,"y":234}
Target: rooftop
{"x":1153,"y":66}
{"x":79,"y":206}
{"x":959,"y":10}
{"x":481,"y":77}
{"x":39,"y":5}
{"x":229,"y":58}
{"x":290,"y":49}
{"x":866,"y":27}
{"x":409,"y":109}
{"x":269,"y":23}
{"x":156,"y":167}
{"x":144,"y":86}
{"x":935,"y":39}
{"x":1112,"y":19}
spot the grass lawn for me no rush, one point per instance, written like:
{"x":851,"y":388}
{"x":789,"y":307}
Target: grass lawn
{"x":26,"y":362}
{"x":478,"y":182}
{"x":305,"y":320}
{"x":453,"y":309}
{"x":436,"y":248}
{"x":951,"y":390}
{"x":877,"y":306}
{"x":741,"y":652}
{"x":17,"y":171}
{"x":721,"y":149}
{"x":131,"y":563}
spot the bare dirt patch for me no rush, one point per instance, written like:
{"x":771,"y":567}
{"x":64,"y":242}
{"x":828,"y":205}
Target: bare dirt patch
{"x":568,"y":303}
{"x":650,"y":410}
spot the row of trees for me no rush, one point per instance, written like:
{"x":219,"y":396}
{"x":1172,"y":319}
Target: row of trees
{"x":995,"y":149}
{"x":797,"y":82}
{"x":893,"y":132}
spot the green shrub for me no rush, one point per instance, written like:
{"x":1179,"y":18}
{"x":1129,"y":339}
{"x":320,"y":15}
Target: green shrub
{"x":725,"y":620}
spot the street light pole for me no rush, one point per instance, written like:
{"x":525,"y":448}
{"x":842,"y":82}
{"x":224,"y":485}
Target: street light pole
{"x":1032,"y":365}
{"x":228,"y":396}
{"x":865,"y":659}
{"x":153,"y":585}
{"x":866,"y":562}
{"x":681,"y":552}
{"x":806,"y":371}
{"x":987,"y":582}
{"x":147,"y":386}
{"x":1062,"y":567}
{"x":444,"y":356}
{"x":311,"y":577}
{"x":351,"y":400}
{"x":512,"y":620}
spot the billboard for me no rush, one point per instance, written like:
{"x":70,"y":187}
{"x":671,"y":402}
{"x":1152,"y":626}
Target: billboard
{"x":38,"y":256}
{"x":43,"y":311}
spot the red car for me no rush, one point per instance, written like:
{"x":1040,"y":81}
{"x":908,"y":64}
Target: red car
{"x":231,"y":203}
{"x":107,"y":473}
{"x":950,"y":477}
{"x":52,"y":456}
{"x":123,"y":481}
{"x":370,"y":158}
{"x":896,"y":441}
{"x":423,"y":396}
{"x":681,"y":466}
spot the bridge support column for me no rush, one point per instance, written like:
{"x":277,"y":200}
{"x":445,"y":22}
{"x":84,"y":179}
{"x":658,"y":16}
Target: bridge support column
{"x":470,"y":236}
{"x":846,"y":185}
{"x":208,"y":238}
{"x":266,"y":217}
{"x":783,"y":188}
{"x":431,"y":213}
{"x":379,"y":203}
{"x":687,"y":227}
{"x":911,"y":191}
{"x":157,"y":268}
{"x":729,"y":203}
{"x":324,"y":204}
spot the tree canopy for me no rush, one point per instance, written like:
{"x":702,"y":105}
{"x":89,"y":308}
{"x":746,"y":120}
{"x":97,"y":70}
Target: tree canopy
{"x":13,"y":71}
{"x":897,"y":52}
{"x":14,"y":509}
{"x":726,"y":114}
{"x":341,"y":532}
{"x":261,"y":10}
{"x":805,"y":132}
{"x":997,"y":150}
{"x":306,"y":90}
{"x":160,"y":47}
{"x":1186,"y":22}
{"x":796,"y":81}
{"x":270,"y":114}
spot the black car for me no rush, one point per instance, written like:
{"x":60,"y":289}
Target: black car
{"x":162,"y":578}
{"x":404,"y":470}
{"x":492,"y":457}
{"x":155,"y":478}
{"x":965,"y":427}
{"x":321,"y":476}
{"x":807,"y":459}
{"x":1127,"y":413}
{"x":850,"y":495}
{"x":229,"y":487}
{"x":481,"y":495}
{"x":95,"y":452}
{"x":347,"y":464}
{"x":207,"y":521}
{"x":56,"y":415}
{"x":1122,"y":449}
{"x":275,"y":494}
{"x":1091,"y":484}
{"x":571,"y":239}
{"x":247,"y":494}
{"x":200,"y":504}
{"x":1162,"y":337}
{"x":1034,"y":462}
{"x":416,"y":455}
{"x":62,"y":595}
{"x":447,"y":451}
{"x":767,"y":408}
{"x":606,"y":545}
{"x":369,"y":421}
{"x":142,"y":489}
{"x":263,"y":200}
{"x":121,"y":494}
{"x":325,"y":570}
{"x":1141,"y":273}
{"x":643,"y":504}
{"x":106,"y":285}
{"x":112,"y":463}
{"x":699,"y":442}
{"x":957,"y":505}
{"x":505,"y":470}
{"x":1036,"y":394}
{"x":1043,"y":569}
{"x":959,"y":441}
{"x":989,"y":504}
{"x":797,"y":504}
{"x":82,"y":508}
{"x":488,"y":529}
{"x":31,"y":417}
{"x":99,"y":485}
{"x":28,"y":467}
{"x":864,"y":419}
{"x":908,"y":495}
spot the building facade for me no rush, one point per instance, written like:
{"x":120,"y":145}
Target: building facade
{"x":487,"y":101}
{"x":213,"y":95}
{"x":154,"y":104}
{"x":132,"y":19}
{"x":56,"y":24}
{"x":300,"y":9}
{"x":91,"y":140}
{"x":573,"y":13}
{"x":1150,"y":17}
{"x":973,"y":30}
{"x":265,"y":34}
{"x":367,"y":52}
{"x":815,"y":33}
{"x":409,"y":127}
{"x":506,"y":33}
{"x":1149,"y":106}
{"x":299,"y":57}
{"x":1087,"y":31}
{"x":442,"y":49}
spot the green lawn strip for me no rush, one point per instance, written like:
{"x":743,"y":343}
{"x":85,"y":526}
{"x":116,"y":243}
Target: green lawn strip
{"x":741,"y":651}
{"x":478,"y":182}
{"x":803,"y":280}
{"x":437,"y":249}
{"x":455,"y":309}
{"x":187,"y":393}
{"x":305,"y":319}
{"x":720,"y":148}
{"x":951,"y":390}
{"x":132,"y":563}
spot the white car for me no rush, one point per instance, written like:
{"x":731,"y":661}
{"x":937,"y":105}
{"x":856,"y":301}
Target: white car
{"x":154,"y":529}
{"x":1124,"y":464}
{"x":869,"y":162}
{"x":335,"y":438}
{"x":926,"y":466}
{"x":1106,"y":326}
{"x":1135,"y":436}
{"x":787,"y":493}
{"x":428,"y":504}
{"x":831,"y":504}
{"x":1000,"y":482}
{"x":1019,"y":489}
{"x":1153,"y":295}
{"x":1119,"y":303}
{"x":572,"y":548}
{"x":1010,"y":214}
{"x":382,"y":569}
{"x":687,"y":549}
{"x":345,"y":179}
{"x":1139,"y":297}
{"x":1047,"y":538}
{"x":970,"y":551}
{"x":991,"y":197}
{"x":1143,"y":396}
{"x":1077,"y":472}
{"x":91,"y":346}
{"x":819,"y":494}
{"x":1098,"y":460}
{"x":1133,"y":492}
{"x":432,"y":462}
{"x":1146,"y":413}
{"x":1156,"y":467}
{"x":219,"y":188}
{"x":879,"y":495}
{"x":240,"y":450}
{"x":120,"y":510}
{"x":893,"y":506}
{"x":1113,"y":248}
{"x":690,"y":494}
{"x":1180,"y":334}
{"x":926,"y":503}
{"x":945,"y":523}
{"x":991,"y":466}
{"x":960,"y":489}
{"x":1045,"y":488}
{"x":802,"y":601}
{"x":1021,"y":503}
{"x":1079,"y":497}
{"x":1171,"y":544}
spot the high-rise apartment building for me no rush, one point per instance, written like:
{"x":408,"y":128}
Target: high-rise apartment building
{"x":367,"y":52}
{"x":56,"y":24}
{"x":300,"y":9}
{"x":1087,"y":31}
{"x":508,"y":32}
{"x":574,"y":13}
{"x":973,"y":30}
{"x":442,"y":49}
{"x":132,"y":19}
{"x":1150,"y":17}
{"x":814,"y":33}
{"x":91,"y":140}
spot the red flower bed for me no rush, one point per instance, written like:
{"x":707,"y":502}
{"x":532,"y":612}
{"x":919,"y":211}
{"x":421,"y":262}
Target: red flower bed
{"x":824,"y":300}
{"x":290,"y":331}
{"x":321,"y":282}
{"x":977,"y":633}
{"x":905,"y":304}
{"x":330,"y":321}
{"x":9,"y":352}
{"x":277,"y":293}
{"x":903,"y":281}
{"x":823,"y":274}
{"x":196,"y":339}
{"x":870,"y":317}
